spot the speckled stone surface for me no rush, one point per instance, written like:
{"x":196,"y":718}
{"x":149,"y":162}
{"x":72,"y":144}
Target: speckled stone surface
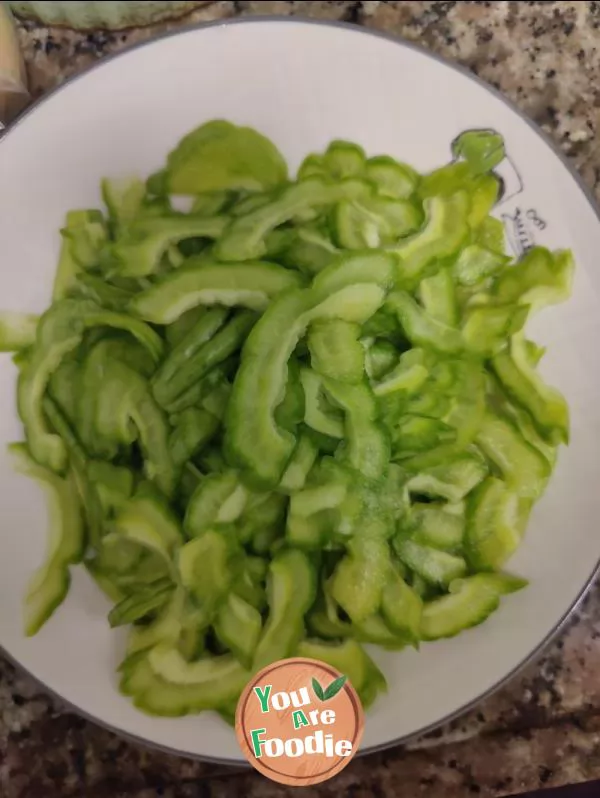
{"x":543,"y":729}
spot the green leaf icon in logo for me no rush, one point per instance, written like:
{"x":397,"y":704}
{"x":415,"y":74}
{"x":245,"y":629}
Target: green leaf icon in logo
{"x":335,"y":687}
{"x":318,"y":690}
{"x":331,"y":691}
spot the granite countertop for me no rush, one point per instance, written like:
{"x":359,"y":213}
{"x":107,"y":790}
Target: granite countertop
{"x":543,"y":729}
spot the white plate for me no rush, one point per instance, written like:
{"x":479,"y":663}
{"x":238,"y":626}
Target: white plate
{"x":302,"y":84}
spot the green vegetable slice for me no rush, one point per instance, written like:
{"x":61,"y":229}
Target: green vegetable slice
{"x":539,"y":279}
{"x":522,"y":382}
{"x":238,"y":626}
{"x":147,"y":519}
{"x":84,"y":236}
{"x":138,"y":252}
{"x":218,"y":499}
{"x":452,"y":480}
{"x":250,"y":285}
{"x":359,"y":578}
{"x":50,"y":584}
{"x":290,"y":593}
{"x":220,"y":156}
{"x":253,"y":438}
{"x":392,"y":178}
{"x":402,"y":608}
{"x":497,"y":517}
{"x":124,"y":199}
{"x":525,"y":470}
{"x":17,"y":331}
{"x":482,"y":149}
{"x":468,"y":604}
{"x":441,"y":236}
{"x":199,"y":352}
{"x":59,"y":332}
{"x":245,"y":237}
{"x":441,"y":526}
{"x":139,"y":604}
{"x":436,"y":567}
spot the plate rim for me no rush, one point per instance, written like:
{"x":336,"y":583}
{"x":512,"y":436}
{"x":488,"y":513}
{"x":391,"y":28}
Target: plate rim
{"x":539,"y":648}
